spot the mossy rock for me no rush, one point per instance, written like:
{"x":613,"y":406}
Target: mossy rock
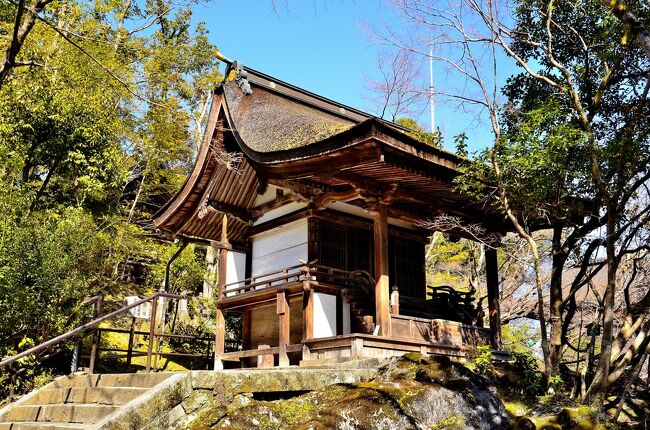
{"x":568,"y":419}
{"x":412,"y":392}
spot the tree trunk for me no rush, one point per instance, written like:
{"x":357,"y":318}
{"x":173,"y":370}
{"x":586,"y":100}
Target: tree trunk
{"x":25,"y":20}
{"x":560,"y":255}
{"x":599,"y":383}
{"x":542,"y":318}
{"x":622,"y":12}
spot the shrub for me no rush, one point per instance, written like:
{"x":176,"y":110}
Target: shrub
{"x":526,"y":364}
{"x":483,"y":361}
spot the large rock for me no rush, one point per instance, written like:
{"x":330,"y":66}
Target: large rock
{"x":410,"y":392}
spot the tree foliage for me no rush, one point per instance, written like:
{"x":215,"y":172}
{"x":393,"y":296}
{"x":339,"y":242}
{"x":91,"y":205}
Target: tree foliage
{"x":100,"y":107}
{"x":571,"y":151}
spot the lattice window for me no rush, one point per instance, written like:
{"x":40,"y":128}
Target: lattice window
{"x":333,"y":240}
{"x":407,"y":268}
{"x":360,"y":253}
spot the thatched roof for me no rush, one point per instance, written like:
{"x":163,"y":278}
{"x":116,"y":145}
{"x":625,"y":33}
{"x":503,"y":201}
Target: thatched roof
{"x":296,"y":139}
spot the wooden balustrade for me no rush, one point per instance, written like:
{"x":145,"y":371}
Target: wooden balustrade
{"x":296,"y":274}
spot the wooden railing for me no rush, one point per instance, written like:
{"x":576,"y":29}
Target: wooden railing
{"x":93,"y":327}
{"x":299,"y":273}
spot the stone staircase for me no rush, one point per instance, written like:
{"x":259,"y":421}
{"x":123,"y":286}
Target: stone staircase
{"x":78,"y":401}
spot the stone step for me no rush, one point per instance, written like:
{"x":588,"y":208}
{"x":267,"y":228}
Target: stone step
{"x":98,"y":395}
{"x":59,"y":413}
{"x":136,"y":380}
{"x":42,"y":425}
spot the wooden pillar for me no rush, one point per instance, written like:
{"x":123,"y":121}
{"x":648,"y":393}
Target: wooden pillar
{"x":307,"y":312}
{"x":224,"y":247}
{"x":382,"y":301}
{"x":307,"y":318}
{"x":220,"y":325}
{"x":246,"y":330}
{"x":246,"y":336}
{"x":494,"y":306}
{"x":284,"y":320}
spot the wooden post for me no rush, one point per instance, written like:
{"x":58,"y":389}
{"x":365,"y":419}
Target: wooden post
{"x":220,"y":335}
{"x":161,"y":331}
{"x":382,"y":307}
{"x":96,"y":337}
{"x":223,"y":257}
{"x":284,"y":320}
{"x":307,"y":312}
{"x":494,"y":306}
{"x":246,"y":336}
{"x":129,"y":352}
{"x":152,"y":330}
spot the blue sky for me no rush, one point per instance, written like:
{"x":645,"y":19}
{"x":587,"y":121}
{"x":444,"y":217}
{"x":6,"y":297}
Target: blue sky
{"x":320,"y":46}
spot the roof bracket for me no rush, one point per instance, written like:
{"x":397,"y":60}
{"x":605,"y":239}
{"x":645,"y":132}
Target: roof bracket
{"x":237,"y":72}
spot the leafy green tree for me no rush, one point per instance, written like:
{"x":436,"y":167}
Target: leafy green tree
{"x":418,"y":133}
{"x":99,"y":118}
{"x":570,"y":145}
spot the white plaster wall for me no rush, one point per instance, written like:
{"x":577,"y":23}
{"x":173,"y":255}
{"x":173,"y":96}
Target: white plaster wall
{"x":281,"y":211}
{"x":280,"y":248}
{"x":268,"y":196}
{"x":235,"y":269}
{"x":324,"y":315}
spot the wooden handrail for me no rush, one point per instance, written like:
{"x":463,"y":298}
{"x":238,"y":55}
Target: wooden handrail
{"x":80,"y":329}
{"x":265,"y":275}
{"x":297,"y":273}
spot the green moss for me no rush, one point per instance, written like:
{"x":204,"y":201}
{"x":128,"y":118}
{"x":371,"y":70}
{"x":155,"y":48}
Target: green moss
{"x":398,"y":397}
{"x":452,"y":422}
{"x":516,"y":409}
{"x":208,"y":417}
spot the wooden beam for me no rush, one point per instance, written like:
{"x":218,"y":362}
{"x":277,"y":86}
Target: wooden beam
{"x":335,"y":196}
{"x":494,"y":305}
{"x":284,"y":322}
{"x":387,"y":190}
{"x":382,"y":301}
{"x":305,"y":191}
{"x":360,"y":151}
{"x":241,"y":214}
{"x":257,"y":352}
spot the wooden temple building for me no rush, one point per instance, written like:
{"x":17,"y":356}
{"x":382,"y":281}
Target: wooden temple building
{"x":316,"y":212}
